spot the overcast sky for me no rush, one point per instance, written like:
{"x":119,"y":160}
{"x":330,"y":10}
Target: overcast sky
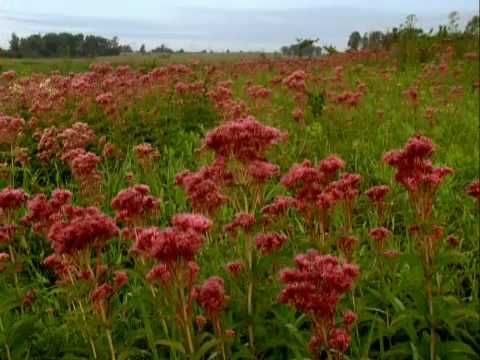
{"x":222,"y":24}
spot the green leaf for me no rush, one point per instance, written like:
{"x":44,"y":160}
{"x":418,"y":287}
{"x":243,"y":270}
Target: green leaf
{"x":295,"y":332}
{"x":132,"y":353}
{"x":174,"y":345}
{"x":21,"y":332}
{"x":207,"y":346}
{"x":451,"y":350}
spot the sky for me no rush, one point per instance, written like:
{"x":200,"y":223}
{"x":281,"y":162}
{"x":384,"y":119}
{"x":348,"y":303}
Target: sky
{"x":194,"y":25}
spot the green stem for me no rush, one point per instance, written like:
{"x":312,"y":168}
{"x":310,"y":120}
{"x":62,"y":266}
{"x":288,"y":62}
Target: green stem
{"x":7,"y":348}
{"x":15,"y":276}
{"x":250,"y":289}
{"x":432,"y":321}
{"x":188,"y":332}
{"x":108,"y":333}
{"x":218,"y":330}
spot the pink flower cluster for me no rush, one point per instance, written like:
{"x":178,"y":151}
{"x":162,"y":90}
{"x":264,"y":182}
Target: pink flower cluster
{"x":202,"y":187}
{"x":43,"y":212}
{"x":133,"y":204}
{"x":10,"y":129}
{"x":376,"y":195}
{"x":12,"y":199}
{"x":380,"y":236}
{"x":268,"y":243}
{"x":296,"y":81}
{"x":245,"y":139}
{"x":279,"y":206}
{"x":315,"y":288}
{"x":316,"y":190}
{"x":77,"y":136}
{"x":417,"y":174}
{"x":473,"y":190}
{"x":178,"y":243}
{"x":78,"y":228}
{"x":146,"y":154}
{"x":48,"y":145}
{"x":258,"y":92}
{"x":244,"y":221}
{"x":211,"y":296}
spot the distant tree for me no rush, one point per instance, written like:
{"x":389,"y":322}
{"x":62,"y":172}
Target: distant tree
{"x":473,"y":26}
{"x":305,"y":46}
{"x":63,"y":45}
{"x":142,"y":49}
{"x":410,"y":21}
{"x":162,"y":49}
{"x":364,"y":41}
{"x":354,"y":40}
{"x":15,"y":45}
{"x":330,"y":49}
{"x":126,"y":49}
{"x":375,"y":40}
{"x":453,"y":22}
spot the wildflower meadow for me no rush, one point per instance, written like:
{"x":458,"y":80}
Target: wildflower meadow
{"x":257,"y":208}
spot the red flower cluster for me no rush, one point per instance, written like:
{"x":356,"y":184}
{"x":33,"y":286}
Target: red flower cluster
{"x":258,"y":92}
{"x":180,"y":242}
{"x":268,"y":243}
{"x":380,"y":236}
{"x":160,"y":273}
{"x":417,"y":174}
{"x":245,"y":139}
{"x":100,"y":295}
{"x":6,"y":233}
{"x":202,"y":187}
{"x":211,"y":296}
{"x":315,"y":188}
{"x":78,"y":228}
{"x":262,"y":170}
{"x":146,"y":154}
{"x":279,"y":206}
{"x":317,"y":284}
{"x":12,"y":199}
{"x":48,"y":145}
{"x":243,"y":221}
{"x":473,"y":190}
{"x":308,"y":181}
{"x":377,"y":194}
{"x":315,"y":287}
{"x":78,"y":136}
{"x":235,"y":267}
{"x":133,"y":204}
{"x":347,"y":245}
{"x":43,"y":212}
{"x":8,"y":75}
{"x":196,"y":222}
{"x":10,"y":129}
{"x":296,"y":81}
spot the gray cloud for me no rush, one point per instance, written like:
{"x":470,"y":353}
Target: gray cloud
{"x":196,"y":28}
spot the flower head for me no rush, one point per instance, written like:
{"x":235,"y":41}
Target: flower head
{"x":211,"y":296}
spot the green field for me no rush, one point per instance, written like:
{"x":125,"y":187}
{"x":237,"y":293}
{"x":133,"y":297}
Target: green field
{"x":416,"y":293}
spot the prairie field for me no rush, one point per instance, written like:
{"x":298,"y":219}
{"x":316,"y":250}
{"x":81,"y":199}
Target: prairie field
{"x":240,"y":207}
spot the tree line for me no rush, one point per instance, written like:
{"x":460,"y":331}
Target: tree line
{"x":400,"y":36}
{"x":376,"y":40}
{"x":63,"y":45}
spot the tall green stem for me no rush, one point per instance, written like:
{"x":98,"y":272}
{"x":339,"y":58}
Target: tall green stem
{"x":7,"y":348}
{"x":186,"y":324}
